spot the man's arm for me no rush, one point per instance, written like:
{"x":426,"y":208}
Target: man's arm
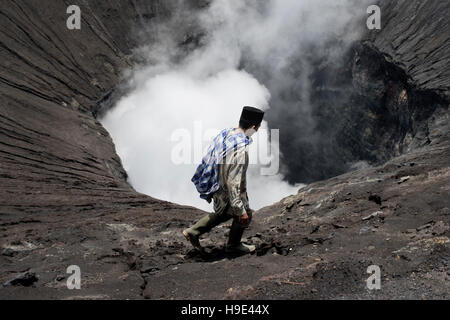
{"x":246,"y":203}
{"x":244,"y":194}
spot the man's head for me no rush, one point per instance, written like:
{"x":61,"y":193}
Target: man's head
{"x":251,"y":119}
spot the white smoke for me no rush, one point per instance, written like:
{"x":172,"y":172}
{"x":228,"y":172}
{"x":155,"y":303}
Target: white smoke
{"x":174,"y":93}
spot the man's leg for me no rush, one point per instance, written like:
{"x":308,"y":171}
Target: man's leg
{"x":236,"y":232}
{"x":204,"y":225}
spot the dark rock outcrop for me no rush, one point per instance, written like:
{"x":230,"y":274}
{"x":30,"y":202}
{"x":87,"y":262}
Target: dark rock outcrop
{"x":387,"y":96}
{"x":25,"y":279}
{"x":64,"y":199}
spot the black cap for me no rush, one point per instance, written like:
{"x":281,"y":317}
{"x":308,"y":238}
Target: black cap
{"x":251,"y":116}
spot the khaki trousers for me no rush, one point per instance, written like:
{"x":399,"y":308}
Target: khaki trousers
{"x":212,"y":220}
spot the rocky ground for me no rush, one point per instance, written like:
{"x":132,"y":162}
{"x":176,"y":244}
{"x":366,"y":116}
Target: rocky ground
{"x":64,"y":199}
{"x":316,"y":244}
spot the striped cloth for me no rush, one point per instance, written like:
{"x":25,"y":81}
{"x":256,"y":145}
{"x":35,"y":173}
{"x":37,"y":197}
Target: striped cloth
{"x":206,"y":175}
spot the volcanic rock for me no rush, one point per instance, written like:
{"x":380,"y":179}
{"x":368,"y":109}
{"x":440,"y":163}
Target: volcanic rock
{"x":63,"y":187}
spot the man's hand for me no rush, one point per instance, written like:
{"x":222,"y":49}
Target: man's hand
{"x":244,"y":219}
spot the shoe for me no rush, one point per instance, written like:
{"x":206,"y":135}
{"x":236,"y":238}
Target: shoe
{"x":194,"y":240}
{"x":240,"y":248}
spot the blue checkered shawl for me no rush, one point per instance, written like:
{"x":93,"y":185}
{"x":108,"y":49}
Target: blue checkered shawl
{"x":206,"y":175}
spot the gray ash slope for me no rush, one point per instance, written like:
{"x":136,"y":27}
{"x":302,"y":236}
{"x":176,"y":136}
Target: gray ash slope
{"x":65,"y":200}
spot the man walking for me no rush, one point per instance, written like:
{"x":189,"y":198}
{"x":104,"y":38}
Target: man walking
{"x":221,"y":177}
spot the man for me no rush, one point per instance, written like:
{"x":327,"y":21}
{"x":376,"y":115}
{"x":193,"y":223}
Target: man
{"x":222,"y":178}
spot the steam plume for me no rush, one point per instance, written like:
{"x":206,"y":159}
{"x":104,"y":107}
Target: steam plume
{"x":202,"y":67}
